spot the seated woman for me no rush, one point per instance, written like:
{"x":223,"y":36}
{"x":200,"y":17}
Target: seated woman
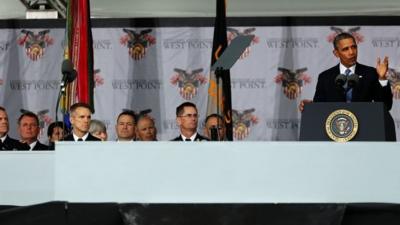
{"x":56,"y":132}
{"x":98,"y":129}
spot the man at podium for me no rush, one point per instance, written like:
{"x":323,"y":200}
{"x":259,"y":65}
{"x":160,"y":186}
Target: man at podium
{"x":350,"y":81}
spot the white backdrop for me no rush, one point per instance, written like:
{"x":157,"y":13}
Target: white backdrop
{"x":29,"y":80}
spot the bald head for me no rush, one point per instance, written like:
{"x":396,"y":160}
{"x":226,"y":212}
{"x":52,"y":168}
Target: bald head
{"x":145,"y":129}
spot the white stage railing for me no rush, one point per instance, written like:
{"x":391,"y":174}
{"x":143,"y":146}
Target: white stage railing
{"x":237,"y":172}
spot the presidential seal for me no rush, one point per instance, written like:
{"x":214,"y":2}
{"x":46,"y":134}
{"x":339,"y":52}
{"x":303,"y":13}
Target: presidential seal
{"x":341,"y":125}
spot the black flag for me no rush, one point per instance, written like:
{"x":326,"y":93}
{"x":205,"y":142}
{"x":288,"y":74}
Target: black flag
{"x":219,"y":96}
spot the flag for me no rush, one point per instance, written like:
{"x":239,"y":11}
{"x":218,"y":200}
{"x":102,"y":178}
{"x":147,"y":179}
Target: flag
{"x":219,"y":91}
{"x":78,"y":48}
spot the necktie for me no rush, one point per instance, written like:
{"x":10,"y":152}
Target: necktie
{"x":188,"y":139}
{"x":349,"y":91}
{"x":80,"y":139}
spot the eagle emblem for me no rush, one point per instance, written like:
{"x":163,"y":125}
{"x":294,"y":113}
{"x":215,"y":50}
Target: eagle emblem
{"x":353,"y":31}
{"x":188,"y":81}
{"x":35,"y":43}
{"x":341,"y":125}
{"x":292,"y":81}
{"x":233,"y":33}
{"x":137,"y":42}
{"x":242,"y":121}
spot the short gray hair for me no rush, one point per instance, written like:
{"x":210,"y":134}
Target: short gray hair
{"x":97,"y":126}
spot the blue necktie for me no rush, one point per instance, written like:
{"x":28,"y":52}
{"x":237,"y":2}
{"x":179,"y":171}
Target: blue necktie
{"x":349,"y":91}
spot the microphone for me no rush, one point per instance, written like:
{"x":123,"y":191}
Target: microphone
{"x":340,"y":80}
{"x":352,"y":80}
{"x":68,"y":72}
{"x":71,"y":76}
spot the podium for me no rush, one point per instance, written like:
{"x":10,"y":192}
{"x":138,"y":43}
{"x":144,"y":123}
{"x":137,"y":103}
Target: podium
{"x":374,"y":122}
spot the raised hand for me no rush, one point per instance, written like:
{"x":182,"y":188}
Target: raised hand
{"x":382,"y":67}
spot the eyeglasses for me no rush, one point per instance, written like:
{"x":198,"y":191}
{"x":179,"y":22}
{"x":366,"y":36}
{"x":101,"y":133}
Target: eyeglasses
{"x":190,"y":116}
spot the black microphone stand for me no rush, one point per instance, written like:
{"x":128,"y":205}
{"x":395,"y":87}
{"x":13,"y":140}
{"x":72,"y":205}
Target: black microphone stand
{"x":69,"y":75}
{"x":229,"y":56}
{"x":61,"y":94}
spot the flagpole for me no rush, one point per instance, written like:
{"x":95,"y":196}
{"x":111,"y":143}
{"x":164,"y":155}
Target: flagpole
{"x":220,"y":104}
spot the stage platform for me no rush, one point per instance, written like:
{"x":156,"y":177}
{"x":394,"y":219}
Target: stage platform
{"x":204,"y":172}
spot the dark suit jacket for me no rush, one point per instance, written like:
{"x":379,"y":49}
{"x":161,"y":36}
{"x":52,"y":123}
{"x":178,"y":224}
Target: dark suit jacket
{"x":12,"y":144}
{"x":198,"y":138}
{"x":40,"y":146}
{"x":368,"y":88}
{"x":70,"y":137}
{"x":52,"y":145}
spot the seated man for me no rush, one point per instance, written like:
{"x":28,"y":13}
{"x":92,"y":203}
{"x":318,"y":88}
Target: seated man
{"x":187,"y":120}
{"x":7,"y":143}
{"x":125,"y":126}
{"x":214,"y":128}
{"x":145,"y":129}
{"x":80,"y":116}
{"x":28,"y":128}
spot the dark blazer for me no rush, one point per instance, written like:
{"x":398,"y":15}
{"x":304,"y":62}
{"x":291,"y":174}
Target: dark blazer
{"x":368,"y":88}
{"x":197,"y":138}
{"x":52,"y":145}
{"x":90,"y":137}
{"x":12,"y":144}
{"x":40,"y":146}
